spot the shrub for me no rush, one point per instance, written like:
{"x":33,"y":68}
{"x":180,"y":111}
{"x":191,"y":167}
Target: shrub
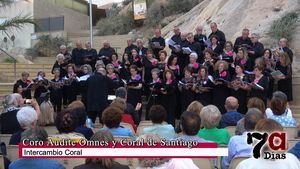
{"x":46,"y":46}
{"x":284,"y":26}
{"x":9,"y":60}
{"x":126,"y":2}
{"x":156,"y":12}
{"x":181,"y":6}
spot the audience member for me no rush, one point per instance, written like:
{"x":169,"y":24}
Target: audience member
{"x":238,"y":146}
{"x":210,"y":118}
{"x":290,"y":162}
{"x":35,"y":134}
{"x":232,"y":116}
{"x":158,"y":115}
{"x":101,"y":163}
{"x":195,"y":106}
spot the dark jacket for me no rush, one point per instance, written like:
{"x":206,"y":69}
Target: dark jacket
{"x":240,"y":42}
{"x":220,"y":35}
{"x":98,"y":87}
{"x":77,"y":56}
{"x":9,"y":123}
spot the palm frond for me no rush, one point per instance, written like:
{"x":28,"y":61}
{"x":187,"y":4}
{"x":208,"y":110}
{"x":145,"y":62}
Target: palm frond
{"x":16,"y":22}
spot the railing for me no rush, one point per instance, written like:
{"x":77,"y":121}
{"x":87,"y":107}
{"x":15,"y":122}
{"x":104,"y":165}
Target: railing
{"x":15,"y":62}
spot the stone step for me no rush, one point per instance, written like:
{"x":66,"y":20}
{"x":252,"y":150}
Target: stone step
{"x":24,"y":66}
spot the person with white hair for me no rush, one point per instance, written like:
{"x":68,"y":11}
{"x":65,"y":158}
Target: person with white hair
{"x":200,"y":37}
{"x":256,"y":50}
{"x":194,"y":65}
{"x":282,"y":43}
{"x":27,"y":117}
{"x":60,"y":64}
{"x":8,"y":118}
{"x":210,"y":118}
{"x":106,"y":52}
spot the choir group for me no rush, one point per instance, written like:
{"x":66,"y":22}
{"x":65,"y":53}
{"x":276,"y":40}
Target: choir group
{"x":207,"y":69}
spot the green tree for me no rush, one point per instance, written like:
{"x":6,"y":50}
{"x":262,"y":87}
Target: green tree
{"x":17,"y":22}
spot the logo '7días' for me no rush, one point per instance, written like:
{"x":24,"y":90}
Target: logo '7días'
{"x":275,"y":141}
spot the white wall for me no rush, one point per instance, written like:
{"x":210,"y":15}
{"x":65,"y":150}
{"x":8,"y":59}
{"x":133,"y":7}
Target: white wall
{"x":23,"y":35}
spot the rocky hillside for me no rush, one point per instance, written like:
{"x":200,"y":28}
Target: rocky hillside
{"x":232,"y":16}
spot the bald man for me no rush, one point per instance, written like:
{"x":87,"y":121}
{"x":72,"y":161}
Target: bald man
{"x":243,"y":41}
{"x":231,"y":117}
{"x":157,"y":43}
{"x":78,"y":55}
{"x":218,"y":33}
{"x":177,"y":39}
{"x":106,"y":52}
{"x":283,"y":47}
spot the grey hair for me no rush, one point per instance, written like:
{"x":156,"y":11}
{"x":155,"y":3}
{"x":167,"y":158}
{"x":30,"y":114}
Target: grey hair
{"x":60,"y":56}
{"x":252,"y":116}
{"x":210,"y":116}
{"x":194,"y":55}
{"x":11,"y":100}
{"x":35,"y":134}
{"x":63,"y":47}
{"x":26,"y":116}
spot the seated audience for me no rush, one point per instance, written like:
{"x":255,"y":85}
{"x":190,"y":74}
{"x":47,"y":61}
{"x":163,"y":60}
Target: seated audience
{"x":126,"y":118}
{"x":290,"y":162}
{"x":296,"y":150}
{"x":253,"y":102}
{"x":280,"y":111}
{"x":195,"y":106}
{"x":66,"y":123}
{"x":122,"y":93}
{"x":238,"y":146}
{"x":101,"y":163}
{"x":111,"y":118}
{"x":232,"y":116}
{"x":163,"y":163}
{"x":8,"y":119}
{"x":27,"y":117}
{"x":269,"y":111}
{"x":210,"y":118}
{"x":35,"y":134}
{"x":78,"y":110}
{"x":158,"y":115}
{"x":190,"y":125}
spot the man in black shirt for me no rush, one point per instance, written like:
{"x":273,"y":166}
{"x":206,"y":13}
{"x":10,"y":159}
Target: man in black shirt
{"x":177,"y":39}
{"x":256,"y":50}
{"x":218,"y":33}
{"x":78,"y":55}
{"x":157,"y":43}
{"x":200,"y":37}
{"x":243,"y":41}
{"x":283,"y":47}
{"x":142,"y":51}
{"x":90,"y":55}
{"x":106,"y":52}
{"x":130,"y":46}
{"x":195,"y":47}
{"x":23,"y":86}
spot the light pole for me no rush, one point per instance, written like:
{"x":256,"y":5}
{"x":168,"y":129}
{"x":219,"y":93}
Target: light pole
{"x":91,"y":22}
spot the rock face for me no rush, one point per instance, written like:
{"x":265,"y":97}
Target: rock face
{"x":233,"y":15}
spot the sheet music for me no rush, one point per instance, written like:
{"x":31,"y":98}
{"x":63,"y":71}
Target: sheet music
{"x":156,"y":44}
{"x":83,"y":78}
{"x":187,"y":50}
{"x":111,"y":97}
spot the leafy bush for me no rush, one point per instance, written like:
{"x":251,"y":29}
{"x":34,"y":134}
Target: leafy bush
{"x":46,"y":46}
{"x":284,"y":26}
{"x":126,"y":2}
{"x":156,"y":12}
{"x":118,"y":24}
{"x":181,"y":6}
{"x":9,"y":60}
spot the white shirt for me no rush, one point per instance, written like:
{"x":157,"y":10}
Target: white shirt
{"x":269,"y":112}
{"x":290,"y":162}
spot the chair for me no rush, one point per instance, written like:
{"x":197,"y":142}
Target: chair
{"x":1,"y":162}
{"x":204,"y":163}
{"x":231,"y":130}
{"x":128,"y":126}
{"x":13,"y":152}
{"x":291,"y":132}
{"x":235,"y":162}
{"x":5,"y":138}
